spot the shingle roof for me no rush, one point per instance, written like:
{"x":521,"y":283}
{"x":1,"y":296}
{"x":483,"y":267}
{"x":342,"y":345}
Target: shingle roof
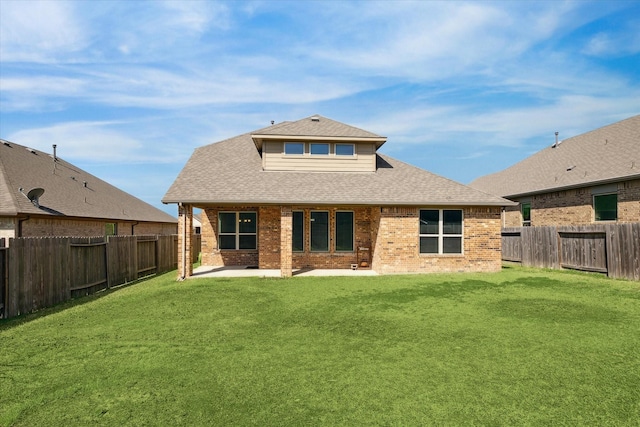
{"x":65,"y":193}
{"x":608,"y":154}
{"x":315,"y":127}
{"x":230,"y":172}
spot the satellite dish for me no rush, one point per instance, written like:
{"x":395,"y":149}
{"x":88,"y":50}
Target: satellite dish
{"x":34,"y":195}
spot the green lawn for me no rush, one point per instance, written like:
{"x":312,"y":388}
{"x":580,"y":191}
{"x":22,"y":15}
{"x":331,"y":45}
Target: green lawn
{"x":520,"y":347}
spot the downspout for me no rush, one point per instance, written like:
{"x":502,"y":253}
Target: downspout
{"x":20,"y":221}
{"x":133,"y":226}
{"x":184,"y":242}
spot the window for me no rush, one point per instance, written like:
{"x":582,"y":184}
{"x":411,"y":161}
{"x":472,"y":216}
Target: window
{"x":237,"y":230}
{"x":440,"y":231}
{"x":344,"y":231}
{"x":319,"y":231}
{"x":294,"y":148}
{"x":345,"y":149}
{"x":298,"y":231}
{"x":320,"y":149}
{"x":605,"y":207}
{"x":525,"y":209}
{"x":110,"y":229}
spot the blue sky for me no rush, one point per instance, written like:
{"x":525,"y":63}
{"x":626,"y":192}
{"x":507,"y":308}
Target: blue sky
{"x":127,"y":89}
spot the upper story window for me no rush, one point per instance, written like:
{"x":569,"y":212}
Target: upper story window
{"x":345,"y":149}
{"x":441,"y":231}
{"x":319,"y":149}
{"x":605,"y":207}
{"x":294,"y":148}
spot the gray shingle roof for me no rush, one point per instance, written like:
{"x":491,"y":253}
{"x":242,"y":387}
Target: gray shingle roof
{"x":230,"y":172}
{"x":608,"y":154}
{"x":65,"y":193}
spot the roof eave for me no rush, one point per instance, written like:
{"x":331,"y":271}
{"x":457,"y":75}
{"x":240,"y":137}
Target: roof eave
{"x":271,"y":202}
{"x":574,"y":186}
{"x":259,"y":138}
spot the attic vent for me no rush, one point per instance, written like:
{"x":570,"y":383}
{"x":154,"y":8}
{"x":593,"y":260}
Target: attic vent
{"x":6,"y":143}
{"x":315,"y":118}
{"x":31,"y":150}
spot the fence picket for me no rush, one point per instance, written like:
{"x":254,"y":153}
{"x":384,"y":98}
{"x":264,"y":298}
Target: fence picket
{"x":613,"y":249}
{"x":38,"y":272}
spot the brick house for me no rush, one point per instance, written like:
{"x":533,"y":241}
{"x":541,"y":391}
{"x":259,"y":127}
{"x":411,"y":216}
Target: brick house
{"x":315,"y":193}
{"x":586,"y":179}
{"x":43,"y":195}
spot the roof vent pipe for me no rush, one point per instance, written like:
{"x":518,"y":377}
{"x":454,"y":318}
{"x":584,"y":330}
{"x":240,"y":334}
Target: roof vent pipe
{"x":55,"y":156}
{"x":556,"y":144}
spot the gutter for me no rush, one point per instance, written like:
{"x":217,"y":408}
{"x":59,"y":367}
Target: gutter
{"x":574,"y":186}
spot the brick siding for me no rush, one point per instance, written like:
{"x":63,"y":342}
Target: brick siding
{"x":42,"y":227}
{"x":397,"y":248}
{"x":390,"y":236}
{"x":575,"y":207}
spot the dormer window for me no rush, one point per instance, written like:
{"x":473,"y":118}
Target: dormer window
{"x":319,"y":149}
{"x":345,"y":150}
{"x":294,"y":148}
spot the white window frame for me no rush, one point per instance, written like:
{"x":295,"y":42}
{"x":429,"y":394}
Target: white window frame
{"x":441,"y":234}
{"x":237,"y":232}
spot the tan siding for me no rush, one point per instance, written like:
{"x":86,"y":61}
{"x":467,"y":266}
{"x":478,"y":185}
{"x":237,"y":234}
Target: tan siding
{"x":363,"y":161}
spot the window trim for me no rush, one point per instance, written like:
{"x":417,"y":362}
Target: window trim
{"x":237,"y":232}
{"x":353,"y":231}
{"x":441,"y":235}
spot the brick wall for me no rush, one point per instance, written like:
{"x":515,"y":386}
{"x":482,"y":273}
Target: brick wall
{"x":35,"y":227}
{"x":629,"y":201}
{"x":397,"y":247}
{"x":268,"y":255}
{"x":575,"y":207}
{"x":390,"y":234}
{"x":213,"y":256}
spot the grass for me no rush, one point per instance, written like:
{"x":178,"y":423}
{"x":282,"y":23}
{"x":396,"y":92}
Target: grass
{"x":520,"y":347}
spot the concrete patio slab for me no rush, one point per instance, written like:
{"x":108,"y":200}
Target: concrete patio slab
{"x":247,"y":271}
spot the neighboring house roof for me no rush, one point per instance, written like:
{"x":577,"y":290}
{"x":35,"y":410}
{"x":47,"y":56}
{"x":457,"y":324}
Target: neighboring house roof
{"x":65,"y":192}
{"x":605,"y":155}
{"x":230,"y":172}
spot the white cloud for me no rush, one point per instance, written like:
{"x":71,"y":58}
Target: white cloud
{"x":94,"y":142}
{"x":39,"y":31}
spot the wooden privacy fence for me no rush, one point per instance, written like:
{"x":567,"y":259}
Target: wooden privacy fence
{"x":613,"y":249}
{"x":39,"y":272}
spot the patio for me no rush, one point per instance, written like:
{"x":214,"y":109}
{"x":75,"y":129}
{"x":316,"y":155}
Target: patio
{"x":250,"y":271}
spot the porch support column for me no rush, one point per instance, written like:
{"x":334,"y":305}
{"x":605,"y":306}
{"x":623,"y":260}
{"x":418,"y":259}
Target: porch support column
{"x":286,"y":250}
{"x":185,"y":231}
